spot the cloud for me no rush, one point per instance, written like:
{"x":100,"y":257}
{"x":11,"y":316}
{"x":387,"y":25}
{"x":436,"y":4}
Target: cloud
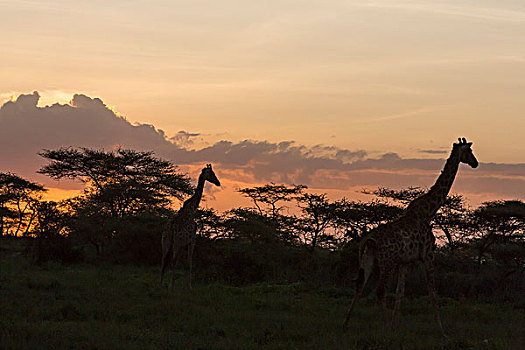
{"x":25,"y":129}
{"x":397,"y":115}
{"x":184,"y":138}
{"x":433,"y":151}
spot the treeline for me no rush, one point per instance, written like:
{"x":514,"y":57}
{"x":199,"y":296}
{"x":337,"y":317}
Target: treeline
{"x":287,"y":234}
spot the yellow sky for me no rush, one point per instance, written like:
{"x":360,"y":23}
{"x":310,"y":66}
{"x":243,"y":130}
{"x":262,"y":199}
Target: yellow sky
{"x":381,"y":75}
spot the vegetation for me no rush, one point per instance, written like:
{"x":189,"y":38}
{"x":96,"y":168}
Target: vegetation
{"x":277,"y":274}
{"x":18,"y":198}
{"x":109,"y":306}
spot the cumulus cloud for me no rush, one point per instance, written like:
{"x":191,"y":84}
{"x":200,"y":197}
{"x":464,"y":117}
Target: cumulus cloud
{"x":26,"y":129}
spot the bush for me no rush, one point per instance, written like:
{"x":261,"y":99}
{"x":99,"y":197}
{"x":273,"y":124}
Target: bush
{"x":54,"y":248}
{"x":242,"y":262}
{"x":137,"y":240}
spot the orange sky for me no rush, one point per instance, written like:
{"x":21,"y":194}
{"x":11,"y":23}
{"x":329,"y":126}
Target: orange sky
{"x":378,"y":76}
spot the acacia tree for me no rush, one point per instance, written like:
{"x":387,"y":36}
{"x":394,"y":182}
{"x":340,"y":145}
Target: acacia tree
{"x":123,"y":181}
{"x":89,"y":223}
{"x":18,"y":201}
{"x":498,"y":223}
{"x":451,"y":219}
{"x":211,"y":224}
{"x":266,"y":198}
{"x":51,"y":229}
{"x":403,"y":196}
{"x":267,"y":221}
{"x":121,"y":186}
{"x":317,"y":215}
{"x":248,"y":224}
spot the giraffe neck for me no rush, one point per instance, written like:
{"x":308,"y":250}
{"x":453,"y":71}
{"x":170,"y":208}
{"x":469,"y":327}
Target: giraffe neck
{"x":428,"y":204}
{"x":192,"y":203}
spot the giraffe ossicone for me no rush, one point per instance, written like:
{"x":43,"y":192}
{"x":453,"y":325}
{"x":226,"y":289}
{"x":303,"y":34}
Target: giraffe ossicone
{"x":393,"y":246}
{"x":181,"y":230}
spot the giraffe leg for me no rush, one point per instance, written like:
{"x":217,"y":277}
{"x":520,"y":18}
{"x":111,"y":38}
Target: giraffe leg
{"x":382,"y":288}
{"x":167,"y":246}
{"x":400,"y":292}
{"x":429,"y":274}
{"x":176,"y":256}
{"x":166,"y":252}
{"x":365,"y":270}
{"x":163,"y":265}
{"x":191,"y":246}
{"x":360,"y":286}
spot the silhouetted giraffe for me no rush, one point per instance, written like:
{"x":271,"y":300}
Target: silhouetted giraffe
{"x":181,"y":230}
{"x":395,"y":245}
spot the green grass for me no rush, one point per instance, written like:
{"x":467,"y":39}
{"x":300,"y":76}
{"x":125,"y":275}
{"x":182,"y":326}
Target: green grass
{"x":123,"y":307}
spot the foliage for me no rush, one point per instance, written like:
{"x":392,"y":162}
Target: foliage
{"x":211,"y":224}
{"x":51,"y":230}
{"x":88,"y":223}
{"x":289,"y":235}
{"x":123,"y":307}
{"x":451,"y":219}
{"x":18,"y":199}
{"x":138,"y":241}
{"x":317,"y":216}
{"x":248,"y":224}
{"x":403,"y":196}
{"x":270,"y":195}
{"x":127,"y":194}
{"x":354,"y":219}
{"x":497,"y":222}
{"x":123,"y":182}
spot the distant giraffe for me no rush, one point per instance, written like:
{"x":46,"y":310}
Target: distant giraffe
{"x":395,"y":245}
{"x":181,"y":230}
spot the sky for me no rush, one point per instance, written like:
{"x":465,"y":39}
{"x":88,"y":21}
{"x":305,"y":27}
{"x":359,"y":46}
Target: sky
{"x":338,"y":95}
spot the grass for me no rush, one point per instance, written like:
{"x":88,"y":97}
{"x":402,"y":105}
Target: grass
{"x":123,"y":307}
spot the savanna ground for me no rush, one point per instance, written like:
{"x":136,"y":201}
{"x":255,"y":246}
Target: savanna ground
{"x":107,"y":306}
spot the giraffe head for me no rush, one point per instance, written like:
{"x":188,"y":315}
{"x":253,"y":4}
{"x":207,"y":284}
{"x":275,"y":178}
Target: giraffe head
{"x":465,"y":152}
{"x":209,"y":175}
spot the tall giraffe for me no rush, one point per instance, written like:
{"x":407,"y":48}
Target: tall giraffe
{"x":181,"y":230}
{"x":394,"y":246}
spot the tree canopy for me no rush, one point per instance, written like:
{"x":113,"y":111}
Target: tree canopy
{"x":18,"y":198}
{"x":125,"y":181}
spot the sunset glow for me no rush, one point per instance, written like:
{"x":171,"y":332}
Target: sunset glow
{"x":252,"y":174}
{"x":375,"y":77}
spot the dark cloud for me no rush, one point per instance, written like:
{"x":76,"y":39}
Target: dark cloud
{"x":25,"y":129}
{"x":184,"y":138}
{"x":433,"y":151}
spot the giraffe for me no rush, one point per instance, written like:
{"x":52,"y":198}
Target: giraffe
{"x":181,"y":229}
{"x":394,"y":246}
